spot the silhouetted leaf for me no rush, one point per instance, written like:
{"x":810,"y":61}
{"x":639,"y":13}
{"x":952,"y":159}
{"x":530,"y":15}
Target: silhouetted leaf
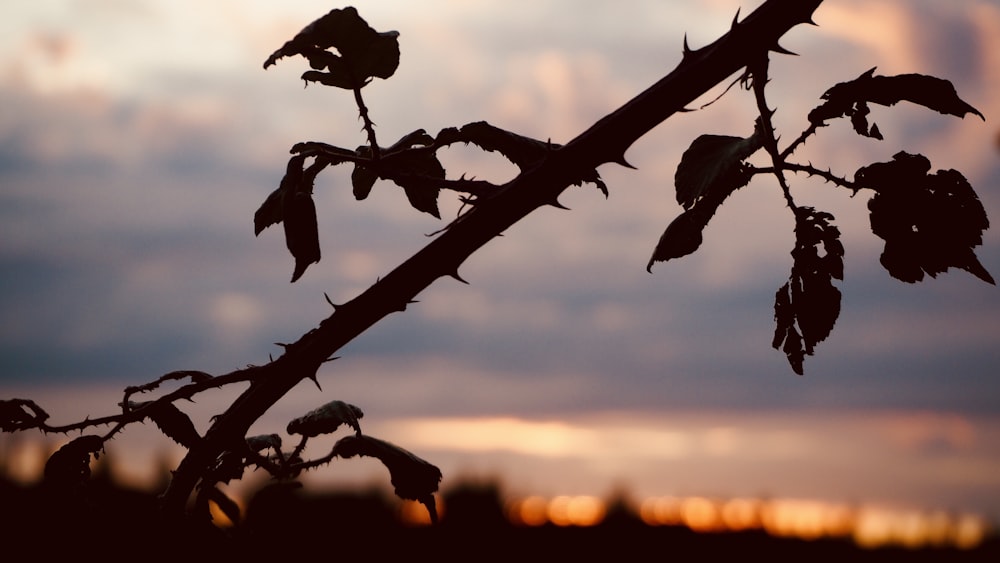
{"x":264,"y":441}
{"x":523,"y":152}
{"x":175,"y":424}
{"x":710,"y":170}
{"x":362,"y":180}
{"x":269,"y":212}
{"x":412,"y":477}
{"x":326,"y":419}
{"x":807,"y":306}
{"x":412,"y":164}
{"x":70,"y":464}
{"x":851,"y":98}
{"x":711,"y":167}
{"x":299,"y":216}
{"x":682,"y":237}
{"x":930,"y":222}
{"x":363,"y":52}
{"x":13,"y":415}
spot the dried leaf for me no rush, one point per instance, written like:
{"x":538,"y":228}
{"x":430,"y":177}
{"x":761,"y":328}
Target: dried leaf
{"x":362,"y":52}
{"x":412,"y":477}
{"x":326,"y":419}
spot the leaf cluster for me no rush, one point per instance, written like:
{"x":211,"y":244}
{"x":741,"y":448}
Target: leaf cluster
{"x":930,"y":222}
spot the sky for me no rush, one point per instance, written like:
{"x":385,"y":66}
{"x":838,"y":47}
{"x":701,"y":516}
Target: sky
{"x":138,"y":138}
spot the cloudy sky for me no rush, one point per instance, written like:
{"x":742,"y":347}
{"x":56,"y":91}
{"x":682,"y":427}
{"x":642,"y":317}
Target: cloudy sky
{"x":138,"y":138}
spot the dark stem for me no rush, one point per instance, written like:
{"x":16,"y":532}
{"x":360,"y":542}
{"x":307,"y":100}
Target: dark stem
{"x":369,"y":126}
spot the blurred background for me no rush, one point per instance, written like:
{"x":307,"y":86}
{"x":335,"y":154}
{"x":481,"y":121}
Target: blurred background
{"x":138,"y":138}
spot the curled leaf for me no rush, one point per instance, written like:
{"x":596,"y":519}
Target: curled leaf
{"x":263,"y":442}
{"x":13,"y":415}
{"x":326,"y":419}
{"x":412,"y":477}
{"x":362,"y":53}
{"x":930,"y":222}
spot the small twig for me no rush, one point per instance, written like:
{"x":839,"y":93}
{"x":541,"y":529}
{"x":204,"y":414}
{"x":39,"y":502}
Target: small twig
{"x":811,"y":130}
{"x":369,"y":125}
{"x":812,"y":171}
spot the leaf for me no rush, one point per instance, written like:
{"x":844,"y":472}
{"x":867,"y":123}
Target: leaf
{"x":363,"y":52}
{"x":412,"y":477}
{"x":710,"y":170}
{"x":682,"y":237}
{"x":264,"y":441}
{"x":930,"y":222}
{"x":13,"y":415}
{"x":523,"y":152}
{"x":808,"y":305}
{"x":175,"y":424}
{"x":412,"y":164}
{"x":851,"y":98}
{"x":326,"y":419}
{"x":362,"y":179}
{"x":711,"y":167}
{"x":70,"y":464}
{"x":269,"y":213}
{"x":299,"y":217}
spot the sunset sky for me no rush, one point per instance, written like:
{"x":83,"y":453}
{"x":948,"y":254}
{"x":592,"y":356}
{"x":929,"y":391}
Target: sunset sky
{"x":138,"y":137}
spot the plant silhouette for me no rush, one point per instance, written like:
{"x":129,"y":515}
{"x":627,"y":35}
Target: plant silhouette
{"x":930,"y":222}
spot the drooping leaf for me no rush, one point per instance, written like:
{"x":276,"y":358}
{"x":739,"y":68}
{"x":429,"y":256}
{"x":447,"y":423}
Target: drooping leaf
{"x":70,"y":464}
{"x":710,"y":170}
{"x":362,"y":179}
{"x":412,"y":164}
{"x":851,"y":98}
{"x":362,"y":53}
{"x":269,"y":212}
{"x":412,"y":477}
{"x":299,"y":217}
{"x":711,"y":167}
{"x":930,"y":222}
{"x":807,"y":306}
{"x":326,"y":419}
{"x":682,"y":237}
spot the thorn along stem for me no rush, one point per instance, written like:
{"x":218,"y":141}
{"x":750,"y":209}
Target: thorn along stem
{"x":369,"y":125}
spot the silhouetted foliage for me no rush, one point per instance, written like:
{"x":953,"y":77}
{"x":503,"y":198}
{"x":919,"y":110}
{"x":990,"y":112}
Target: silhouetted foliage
{"x":930,"y":223}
